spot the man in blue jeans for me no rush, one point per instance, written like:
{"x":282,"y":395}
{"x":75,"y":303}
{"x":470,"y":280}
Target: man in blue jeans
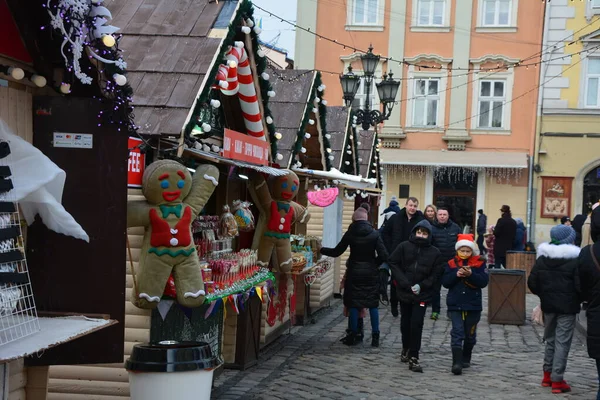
{"x":444,"y":235}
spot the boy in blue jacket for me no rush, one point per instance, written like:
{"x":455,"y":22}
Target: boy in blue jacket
{"x":464,"y":276}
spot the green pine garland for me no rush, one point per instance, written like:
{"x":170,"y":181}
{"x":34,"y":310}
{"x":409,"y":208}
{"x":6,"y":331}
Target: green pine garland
{"x":245,"y":11}
{"x":355,"y":142}
{"x":302,"y":130}
{"x":323,"y":122}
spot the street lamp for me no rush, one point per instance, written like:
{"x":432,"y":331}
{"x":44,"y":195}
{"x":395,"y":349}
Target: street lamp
{"x":387,"y":90}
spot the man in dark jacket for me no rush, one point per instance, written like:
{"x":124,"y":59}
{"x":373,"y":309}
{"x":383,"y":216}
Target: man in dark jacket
{"x":444,"y":235}
{"x":415,"y":266}
{"x":555,"y":279}
{"x":504,"y":233}
{"x":577,"y":224}
{"x":396,"y":230}
{"x":589,"y":273}
{"x":481,"y":230}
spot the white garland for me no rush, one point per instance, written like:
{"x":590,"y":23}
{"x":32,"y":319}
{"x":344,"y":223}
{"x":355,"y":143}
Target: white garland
{"x":455,"y":174}
{"x":80,"y":33}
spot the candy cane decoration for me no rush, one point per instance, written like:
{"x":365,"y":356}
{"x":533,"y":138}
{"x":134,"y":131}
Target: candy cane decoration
{"x":236,"y":78}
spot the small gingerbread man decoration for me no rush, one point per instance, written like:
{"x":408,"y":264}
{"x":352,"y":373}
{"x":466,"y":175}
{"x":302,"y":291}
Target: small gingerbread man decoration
{"x":173,"y":200}
{"x":281,"y":214}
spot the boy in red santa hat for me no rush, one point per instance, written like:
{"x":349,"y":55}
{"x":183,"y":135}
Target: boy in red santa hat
{"x":464,"y":276}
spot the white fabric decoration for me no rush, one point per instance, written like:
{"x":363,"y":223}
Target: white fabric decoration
{"x":38,"y":186}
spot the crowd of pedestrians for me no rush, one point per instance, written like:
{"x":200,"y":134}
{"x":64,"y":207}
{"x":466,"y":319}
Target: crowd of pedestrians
{"x":417,"y":252}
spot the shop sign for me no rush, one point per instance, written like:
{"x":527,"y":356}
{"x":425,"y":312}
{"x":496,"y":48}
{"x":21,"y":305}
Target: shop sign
{"x":135,"y":164}
{"x":238,"y":146}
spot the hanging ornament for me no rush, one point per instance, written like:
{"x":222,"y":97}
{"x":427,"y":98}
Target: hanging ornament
{"x":311,"y":121}
{"x":358,"y":143}
{"x":260,"y":53}
{"x":307,"y":135}
{"x":303,"y":150}
{"x":328,"y":150}
{"x":315,"y":110}
{"x":331,"y":158}
{"x":279,"y":156}
{"x":328,"y":136}
{"x":215,"y":103}
{"x":265,"y":76}
{"x":250,"y":23}
{"x":324,"y":102}
{"x":108,"y":40}
{"x":65,"y":88}
{"x":360,"y":160}
{"x":206,"y":127}
{"x":39,"y":80}
{"x":119,"y":79}
{"x":246,"y":30}
{"x":347,"y":162}
{"x":257,"y":30}
{"x":278,"y":135}
{"x":269,"y":120}
{"x":205,"y":148}
{"x":215,"y":148}
{"x":271,"y":93}
{"x":348,"y":152}
{"x":317,"y":100}
{"x":239,"y":44}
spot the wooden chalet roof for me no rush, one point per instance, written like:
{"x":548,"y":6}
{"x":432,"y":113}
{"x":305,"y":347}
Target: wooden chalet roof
{"x":168,"y":54}
{"x":288,"y":106}
{"x":365,"y":152}
{"x":337,"y":127}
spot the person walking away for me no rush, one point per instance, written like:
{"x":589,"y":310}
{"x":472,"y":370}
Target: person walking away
{"x":504,"y":232}
{"x":430,"y":213}
{"x":445,"y":233}
{"x":464,"y":277}
{"x":589,"y":272}
{"x":367,"y":252}
{"x":520,"y":236}
{"x":397,"y":230}
{"x":555,"y":279}
{"x":577,"y":224}
{"x":414,"y":266}
{"x":481,"y":229}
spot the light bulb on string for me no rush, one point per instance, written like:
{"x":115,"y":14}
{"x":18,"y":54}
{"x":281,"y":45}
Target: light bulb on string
{"x":108,"y":40}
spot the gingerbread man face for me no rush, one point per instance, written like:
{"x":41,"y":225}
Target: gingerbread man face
{"x":285,"y":188}
{"x":167,"y":182}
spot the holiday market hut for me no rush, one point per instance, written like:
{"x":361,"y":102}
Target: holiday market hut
{"x":64,"y":126}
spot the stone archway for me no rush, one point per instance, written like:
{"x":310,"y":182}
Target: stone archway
{"x":580,"y":178}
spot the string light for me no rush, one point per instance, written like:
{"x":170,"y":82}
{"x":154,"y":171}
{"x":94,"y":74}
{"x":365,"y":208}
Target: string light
{"x":391,"y":59}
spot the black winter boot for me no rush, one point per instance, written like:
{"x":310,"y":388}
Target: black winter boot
{"x":467,"y":352}
{"x":404,"y":356}
{"x":361,"y":330}
{"x":375,"y":339}
{"x":457,"y":358}
{"x":413,"y":365}
{"x":351,"y":339}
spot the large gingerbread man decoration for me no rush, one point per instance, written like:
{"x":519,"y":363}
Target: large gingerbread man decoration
{"x":281,"y":214}
{"x":173,"y":200}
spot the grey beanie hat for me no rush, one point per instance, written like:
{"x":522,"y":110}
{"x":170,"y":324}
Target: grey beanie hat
{"x":562,"y":234}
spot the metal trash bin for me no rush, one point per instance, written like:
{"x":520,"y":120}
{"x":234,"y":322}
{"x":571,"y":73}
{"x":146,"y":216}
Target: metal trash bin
{"x":506,"y":297}
{"x":171,"y":369}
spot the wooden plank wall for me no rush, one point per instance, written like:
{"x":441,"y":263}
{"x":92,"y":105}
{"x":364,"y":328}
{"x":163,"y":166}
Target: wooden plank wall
{"x":107,"y":381}
{"x":314,"y":227}
{"x":321,"y":290}
{"x":340,"y":265}
{"x":16,"y":109}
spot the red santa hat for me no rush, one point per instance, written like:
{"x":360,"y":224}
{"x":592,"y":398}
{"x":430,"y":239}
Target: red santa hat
{"x":466,"y":240}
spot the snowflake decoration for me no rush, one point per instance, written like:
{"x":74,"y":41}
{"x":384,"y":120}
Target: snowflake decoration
{"x":80,"y":30}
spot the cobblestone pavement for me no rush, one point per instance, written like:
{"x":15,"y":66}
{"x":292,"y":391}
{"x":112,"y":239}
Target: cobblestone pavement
{"x":310,"y":363}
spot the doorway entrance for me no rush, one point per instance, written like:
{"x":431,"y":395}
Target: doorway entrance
{"x":456,"y":190}
{"x":591,"y":189}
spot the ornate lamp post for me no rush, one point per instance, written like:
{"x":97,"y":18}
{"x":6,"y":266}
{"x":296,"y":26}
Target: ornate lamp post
{"x":387,"y":90}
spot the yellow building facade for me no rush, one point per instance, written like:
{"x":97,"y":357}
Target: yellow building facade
{"x":567,"y":150}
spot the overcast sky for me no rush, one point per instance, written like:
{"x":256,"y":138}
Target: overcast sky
{"x":272,"y":27}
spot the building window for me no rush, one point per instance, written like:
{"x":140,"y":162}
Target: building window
{"x":431,"y":12}
{"x":497,"y":13}
{"x":426,"y":102}
{"x":365,"y":12}
{"x":592,"y":80}
{"x":492,"y":99}
{"x":595,"y":3}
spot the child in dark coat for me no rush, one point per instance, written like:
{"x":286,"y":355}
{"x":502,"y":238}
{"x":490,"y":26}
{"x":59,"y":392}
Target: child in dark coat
{"x":464,"y":276}
{"x":555,"y":279}
{"x":415,"y":266}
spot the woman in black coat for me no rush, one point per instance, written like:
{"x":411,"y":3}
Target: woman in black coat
{"x":589,"y":273}
{"x":361,"y":289}
{"x":416,"y":267}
